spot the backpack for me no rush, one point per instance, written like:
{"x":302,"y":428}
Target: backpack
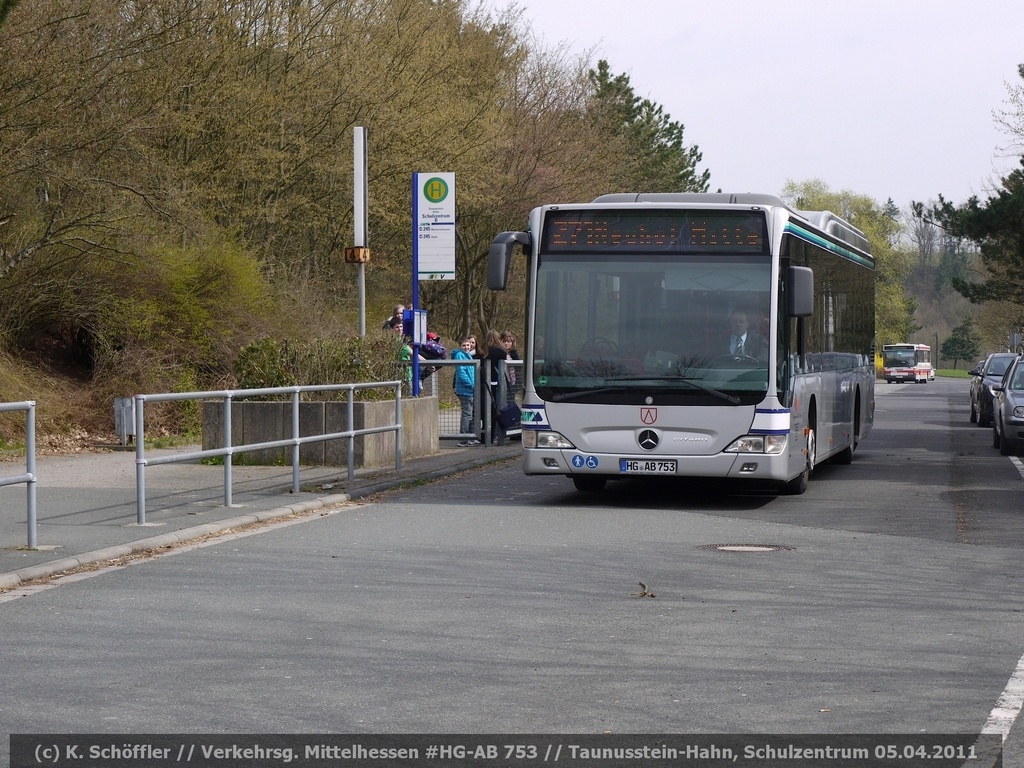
{"x":433,"y":350}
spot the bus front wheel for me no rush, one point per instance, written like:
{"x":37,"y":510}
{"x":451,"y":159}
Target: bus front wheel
{"x":799,"y":484}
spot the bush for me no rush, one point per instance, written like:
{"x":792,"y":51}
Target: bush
{"x":353,"y":360}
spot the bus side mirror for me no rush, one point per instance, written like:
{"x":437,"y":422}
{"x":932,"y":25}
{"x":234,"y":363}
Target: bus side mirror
{"x":800,"y":292}
{"x":499,"y":257}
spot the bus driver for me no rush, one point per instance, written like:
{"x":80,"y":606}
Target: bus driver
{"x":743,"y":340}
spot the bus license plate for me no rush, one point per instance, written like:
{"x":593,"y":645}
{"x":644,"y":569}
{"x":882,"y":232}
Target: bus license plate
{"x":646,"y":467}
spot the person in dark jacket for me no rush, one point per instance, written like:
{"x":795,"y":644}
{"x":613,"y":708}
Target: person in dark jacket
{"x":501,"y":347}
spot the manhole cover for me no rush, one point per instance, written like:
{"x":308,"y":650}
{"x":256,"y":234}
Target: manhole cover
{"x":747,"y":547}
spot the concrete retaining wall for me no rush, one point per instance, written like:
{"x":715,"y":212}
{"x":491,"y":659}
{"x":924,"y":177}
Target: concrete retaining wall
{"x":260,"y":422}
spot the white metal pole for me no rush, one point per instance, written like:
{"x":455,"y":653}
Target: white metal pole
{"x":140,"y":460}
{"x":30,"y":470}
{"x":359,"y":204}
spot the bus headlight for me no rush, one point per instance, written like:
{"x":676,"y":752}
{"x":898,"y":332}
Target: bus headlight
{"x":758,"y":444}
{"x":535,"y":438}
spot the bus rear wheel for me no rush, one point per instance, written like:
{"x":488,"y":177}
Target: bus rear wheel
{"x":589,"y":483}
{"x":845,"y":456}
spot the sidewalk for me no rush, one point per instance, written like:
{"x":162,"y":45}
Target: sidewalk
{"x":86,"y":504}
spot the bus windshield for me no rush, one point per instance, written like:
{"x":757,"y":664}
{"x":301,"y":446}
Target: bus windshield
{"x":689,"y":329}
{"x":899,"y":358}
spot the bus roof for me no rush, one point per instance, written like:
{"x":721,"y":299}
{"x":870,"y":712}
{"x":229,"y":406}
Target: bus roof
{"x":747,"y":198}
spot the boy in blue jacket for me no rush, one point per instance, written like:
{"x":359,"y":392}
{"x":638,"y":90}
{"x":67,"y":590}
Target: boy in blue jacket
{"x":465,"y":388}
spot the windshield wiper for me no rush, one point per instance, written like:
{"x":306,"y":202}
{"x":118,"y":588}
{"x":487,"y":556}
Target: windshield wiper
{"x":584,"y":392}
{"x":731,"y":399}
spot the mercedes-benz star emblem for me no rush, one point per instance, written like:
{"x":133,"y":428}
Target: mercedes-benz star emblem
{"x":648,"y":439}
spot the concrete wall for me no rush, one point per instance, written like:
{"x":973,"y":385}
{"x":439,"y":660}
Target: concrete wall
{"x":260,"y":422}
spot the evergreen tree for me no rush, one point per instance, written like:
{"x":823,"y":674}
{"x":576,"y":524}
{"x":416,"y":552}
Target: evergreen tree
{"x":952,"y":264}
{"x":997,"y":226}
{"x":963,"y":342}
{"x":652,"y":143}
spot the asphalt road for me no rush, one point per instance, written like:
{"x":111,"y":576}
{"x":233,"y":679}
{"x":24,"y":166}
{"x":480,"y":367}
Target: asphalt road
{"x":887,"y":599}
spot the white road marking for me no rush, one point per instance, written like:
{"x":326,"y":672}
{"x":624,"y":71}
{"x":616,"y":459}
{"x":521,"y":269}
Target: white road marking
{"x":1019,"y":465}
{"x":1008,"y":706}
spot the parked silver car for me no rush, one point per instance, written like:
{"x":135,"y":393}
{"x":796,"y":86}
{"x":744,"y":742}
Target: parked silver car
{"x":984,"y":378}
{"x":1008,"y":410}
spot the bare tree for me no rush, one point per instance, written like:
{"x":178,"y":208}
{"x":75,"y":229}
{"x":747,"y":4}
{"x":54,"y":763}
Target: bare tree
{"x":1011,"y":119}
{"x":923,"y":233}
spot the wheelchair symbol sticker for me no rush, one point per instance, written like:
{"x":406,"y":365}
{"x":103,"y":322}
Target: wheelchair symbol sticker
{"x":590,"y":462}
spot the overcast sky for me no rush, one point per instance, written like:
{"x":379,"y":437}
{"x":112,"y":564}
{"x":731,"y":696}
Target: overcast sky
{"x":887,"y":98}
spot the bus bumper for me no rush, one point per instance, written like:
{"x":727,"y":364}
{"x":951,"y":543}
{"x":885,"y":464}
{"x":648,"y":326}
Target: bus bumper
{"x":757,"y":466}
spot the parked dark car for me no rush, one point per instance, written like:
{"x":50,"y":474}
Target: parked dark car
{"x":1008,"y":410}
{"x":984,"y":378}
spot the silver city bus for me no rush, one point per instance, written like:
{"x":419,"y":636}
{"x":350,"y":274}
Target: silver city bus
{"x":633,"y":363}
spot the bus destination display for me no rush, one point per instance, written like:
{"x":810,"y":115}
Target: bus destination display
{"x":653,"y":231}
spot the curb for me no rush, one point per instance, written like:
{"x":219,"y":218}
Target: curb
{"x":13,"y":579}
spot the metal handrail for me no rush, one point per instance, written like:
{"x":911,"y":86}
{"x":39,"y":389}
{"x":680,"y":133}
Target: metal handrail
{"x":228,"y":450}
{"x":477,"y":397}
{"x":29,"y":476}
{"x":484,"y":400}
